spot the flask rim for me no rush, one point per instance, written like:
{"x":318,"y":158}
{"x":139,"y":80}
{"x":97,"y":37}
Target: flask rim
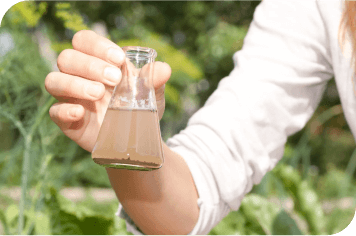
{"x":139,"y":52}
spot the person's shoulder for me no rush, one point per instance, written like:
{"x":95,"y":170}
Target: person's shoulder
{"x":330,"y":10}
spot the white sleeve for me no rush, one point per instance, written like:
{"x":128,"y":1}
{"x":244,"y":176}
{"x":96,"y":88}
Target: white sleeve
{"x":278,"y":80}
{"x":277,"y":83}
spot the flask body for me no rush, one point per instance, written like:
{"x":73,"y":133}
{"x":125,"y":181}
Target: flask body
{"x":130,"y":136}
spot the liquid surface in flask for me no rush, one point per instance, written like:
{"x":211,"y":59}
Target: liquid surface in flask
{"x":129,"y":139}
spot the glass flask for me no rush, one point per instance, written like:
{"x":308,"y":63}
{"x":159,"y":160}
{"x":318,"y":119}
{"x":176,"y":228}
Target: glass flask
{"x":130,"y":136}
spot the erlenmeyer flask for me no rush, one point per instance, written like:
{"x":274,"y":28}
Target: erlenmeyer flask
{"x":130,"y":136}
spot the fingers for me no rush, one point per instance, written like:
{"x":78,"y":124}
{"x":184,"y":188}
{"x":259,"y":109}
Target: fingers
{"x":63,"y":85}
{"x":65,"y":113}
{"x":90,"y":43}
{"x":93,"y":59}
{"x":162,"y":72}
{"x":77,"y":63}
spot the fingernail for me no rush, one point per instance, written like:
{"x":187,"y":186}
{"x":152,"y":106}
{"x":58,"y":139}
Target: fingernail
{"x":112,"y":74}
{"x":116,"y":56}
{"x":73,"y":112}
{"x":94,"y":90}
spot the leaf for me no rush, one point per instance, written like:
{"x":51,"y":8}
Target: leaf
{"x":60,"y":46}
{"x":283,"y":224}
{"x":305,"y":198}
{"x":120,"y":227}
{"x":4,"y":223}
{"x":28,"y":12}
{"x":68,"y":217}
{"x":12,"y":212}
{"x":63,"y":6}
{"x":70,"y":207}
{"x":223,"y":40}
{"x":11,"y":216}
{"x":65,"y":224}
{"x":339,"y":219}
{"x":264,"y":215}
{"x":233,"y":224}
{"x":97,"y":225}
{"x":42,"y":223}
{"x":311,"y":208}
{"x":71,"y":19}
{"x":290,"y":177}
{"x":259,"y":212}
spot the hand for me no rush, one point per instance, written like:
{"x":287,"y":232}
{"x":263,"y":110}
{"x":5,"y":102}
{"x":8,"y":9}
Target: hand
{"x":84,"y":85}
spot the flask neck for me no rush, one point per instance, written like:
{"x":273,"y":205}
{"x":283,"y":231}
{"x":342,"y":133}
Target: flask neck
{"x":135,"y":90}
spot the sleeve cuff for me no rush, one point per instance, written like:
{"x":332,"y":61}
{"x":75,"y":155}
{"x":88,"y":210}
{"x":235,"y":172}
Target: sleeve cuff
{"x":212,"y":209}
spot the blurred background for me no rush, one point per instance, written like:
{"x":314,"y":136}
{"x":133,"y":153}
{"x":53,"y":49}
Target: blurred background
{"x":49,"y":185}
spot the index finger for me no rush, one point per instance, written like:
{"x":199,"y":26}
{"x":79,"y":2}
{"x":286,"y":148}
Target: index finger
{"x":92,"y":44}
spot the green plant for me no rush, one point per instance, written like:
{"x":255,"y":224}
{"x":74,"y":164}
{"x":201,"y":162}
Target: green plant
{"x":339,"y":219}
{"x":45,"y":154}
{"x":197,"y":39}
{"x":257,"y":216}
{"x":25,"y":105}
{"x":60,"y":216}
{"x":304,"y":196}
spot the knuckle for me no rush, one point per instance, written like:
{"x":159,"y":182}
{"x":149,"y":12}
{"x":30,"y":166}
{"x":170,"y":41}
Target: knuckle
{"x":74,"y":88}
{"x":75,"y":84}
{"x":70,"y":87}
{"x":64,"y":57}
{"x":91,"y":68}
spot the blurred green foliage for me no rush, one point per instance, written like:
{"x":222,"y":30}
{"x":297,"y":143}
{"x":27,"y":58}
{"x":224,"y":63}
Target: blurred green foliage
{"x":198,"y":40}
{"x":27,"y":13}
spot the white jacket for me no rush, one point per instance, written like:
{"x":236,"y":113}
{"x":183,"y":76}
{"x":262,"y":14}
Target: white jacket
{"x":290,"y":53}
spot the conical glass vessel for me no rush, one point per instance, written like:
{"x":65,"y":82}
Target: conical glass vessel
{"x":130,"y":136}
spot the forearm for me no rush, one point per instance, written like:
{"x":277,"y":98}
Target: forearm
{"x":163,"y":201}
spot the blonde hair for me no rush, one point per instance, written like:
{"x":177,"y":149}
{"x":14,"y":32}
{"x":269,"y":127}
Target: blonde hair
{"x":347,"y":28}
